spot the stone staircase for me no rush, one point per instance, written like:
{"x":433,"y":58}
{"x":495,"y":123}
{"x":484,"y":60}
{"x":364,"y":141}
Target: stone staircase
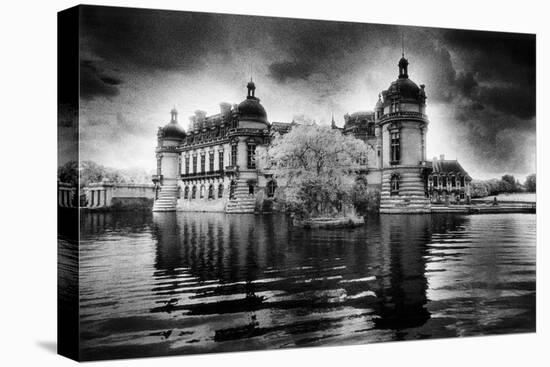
{"x":167,"y":199}
{"x":243,"y":201}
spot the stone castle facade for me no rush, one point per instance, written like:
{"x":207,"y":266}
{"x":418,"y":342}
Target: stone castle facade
{"x":213,"y":165}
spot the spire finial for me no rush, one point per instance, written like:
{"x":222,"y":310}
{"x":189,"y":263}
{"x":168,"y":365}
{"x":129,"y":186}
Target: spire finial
{"x":251,"y":89}
{"x":174,"y":114}
{"x":403,"y":63}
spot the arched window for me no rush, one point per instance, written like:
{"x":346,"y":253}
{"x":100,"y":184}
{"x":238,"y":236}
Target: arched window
{"x":271,"y":186}
{"x":220,"y":191}
{"x":211,"y":192}
{"x":232,"y":187}
{"x":186,"y":192}
{"x":202,"y":191}
{"x":394,"y":185}
{"x":194,"y":192}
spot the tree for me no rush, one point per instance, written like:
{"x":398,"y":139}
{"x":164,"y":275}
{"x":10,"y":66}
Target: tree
{"x":364,"y":199}
{"x":479,"y":189}
{"x":508,"y":184}
{"x":91,"y":172}
{"x":68,"y":173}
{"x":316,"y":165}
{"x":531,"y":183}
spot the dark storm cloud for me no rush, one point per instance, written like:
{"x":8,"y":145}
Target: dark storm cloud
{"x":504,"y":63}
{"x":153,"y":39}
{"x":95,"y":82}
{"x":281,"y":71}
{"x":311,"y":46}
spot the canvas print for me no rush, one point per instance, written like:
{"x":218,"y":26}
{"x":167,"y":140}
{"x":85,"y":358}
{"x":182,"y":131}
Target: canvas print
{"x":232,"y":182}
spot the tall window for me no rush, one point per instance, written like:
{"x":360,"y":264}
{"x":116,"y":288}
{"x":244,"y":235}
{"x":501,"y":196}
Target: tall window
{"x":186,"y":165}
{"x":271,"y":186}
{"x":186,"y":192}
{"x":220,"y":191}
{"x":194,"y":164}
{"x":211,"y":192}
{"x":220,"y":160}
{"x":453,"y":181}
{"x":436,"y":181}
{"x":394,"y":185}
{"x":395,"y":147}
{"x":462,"y":181}
{"x":202,"y":191}
{"x":203,"y":162}
{"x":211,"y":161}
{"x":194,"y":192}
{"x":234,"y":155}
{"x":444,"y":182}
{"x":251,"y":155}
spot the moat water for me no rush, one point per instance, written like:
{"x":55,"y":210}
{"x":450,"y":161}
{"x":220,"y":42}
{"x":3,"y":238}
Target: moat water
{"x":166,"y":283}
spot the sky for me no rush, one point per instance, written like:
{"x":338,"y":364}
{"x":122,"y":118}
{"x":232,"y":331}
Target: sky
{"x":136,"y":65}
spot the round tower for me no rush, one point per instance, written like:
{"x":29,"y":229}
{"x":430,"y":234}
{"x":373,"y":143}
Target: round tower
{"x":168,"y":163}
{"x":403,"y":123}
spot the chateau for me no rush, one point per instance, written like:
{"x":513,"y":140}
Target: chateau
{"x":213,"y":165}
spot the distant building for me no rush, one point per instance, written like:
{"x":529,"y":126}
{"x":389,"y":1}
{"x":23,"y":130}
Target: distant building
{"x":213,"y":166}
{"x":448,"y":182}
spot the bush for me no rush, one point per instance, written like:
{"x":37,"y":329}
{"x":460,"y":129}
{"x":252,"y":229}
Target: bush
{"x":365,"y":200}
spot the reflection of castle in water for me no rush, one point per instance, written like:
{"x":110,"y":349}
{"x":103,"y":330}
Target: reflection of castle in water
{"x":250,"y":255}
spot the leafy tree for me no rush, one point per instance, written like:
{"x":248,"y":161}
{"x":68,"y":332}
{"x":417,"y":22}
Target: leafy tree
{"x":364,"y":199}
{"x":531,"y":183}
{"x":91,"y":172}
{"x":68,"y":173}
{"x":479,"y":189}
{"x":508,"y":184}
{"x":317,"y":164}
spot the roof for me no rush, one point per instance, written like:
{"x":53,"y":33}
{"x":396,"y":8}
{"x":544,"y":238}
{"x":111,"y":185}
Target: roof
{"x":282,"y":127}
{"x":251,"y":109}
{"x":448,"y":167}
{"x":173,"y":130}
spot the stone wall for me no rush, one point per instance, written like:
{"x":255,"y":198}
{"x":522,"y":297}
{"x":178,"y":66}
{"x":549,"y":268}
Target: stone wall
{"x":66,"y":195}
{"x":106,"y":195}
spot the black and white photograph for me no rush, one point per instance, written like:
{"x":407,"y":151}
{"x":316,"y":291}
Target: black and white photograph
{"x":234,"y":182}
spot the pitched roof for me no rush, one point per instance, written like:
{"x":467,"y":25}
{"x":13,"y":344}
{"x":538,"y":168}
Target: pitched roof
{"x":448,"y":166}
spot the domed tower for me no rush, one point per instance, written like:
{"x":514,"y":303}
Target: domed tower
{"x":168,"y":163}
{"x":401,"y":118}
{"x":251,"y":113}
{"x":249,"y":135}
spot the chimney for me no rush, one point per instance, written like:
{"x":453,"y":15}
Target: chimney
{"x":442,"y":157}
